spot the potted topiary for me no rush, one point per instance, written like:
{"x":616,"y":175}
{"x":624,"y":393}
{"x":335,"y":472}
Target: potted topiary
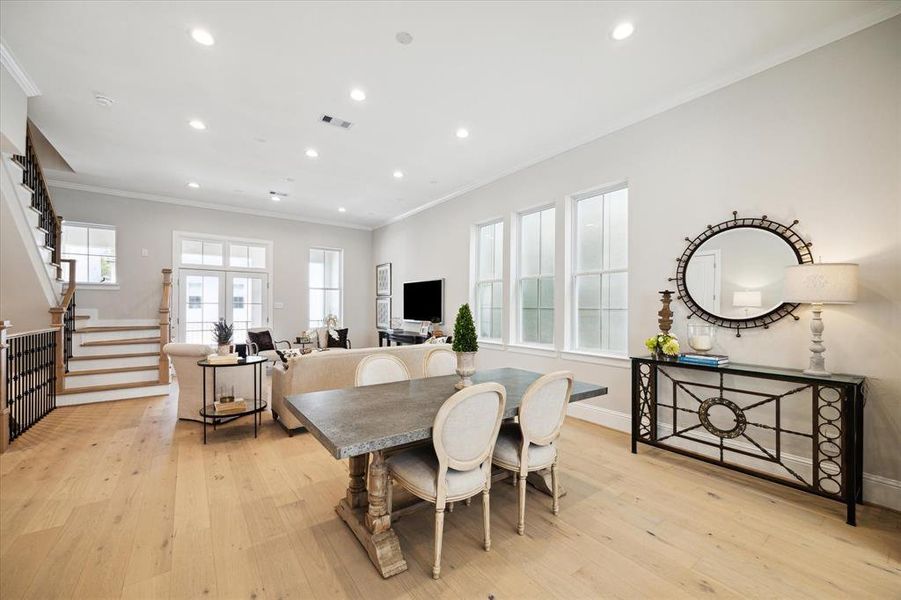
{"x":465,"y":345}
{"x":222,"y":331}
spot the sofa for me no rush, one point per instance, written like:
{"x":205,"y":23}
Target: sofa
{"x":333,"y":369}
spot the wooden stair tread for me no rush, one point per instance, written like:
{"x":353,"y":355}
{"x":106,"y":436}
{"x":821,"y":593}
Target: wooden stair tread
{"x":100,"y":329}
{"x":109,"y":387}
{"x":123,"y":342}
{"x":112,"y":370}
{"x":111,"y":356}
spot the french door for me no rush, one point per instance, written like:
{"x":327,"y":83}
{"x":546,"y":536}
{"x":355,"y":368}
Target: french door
{"x":205,"y":296}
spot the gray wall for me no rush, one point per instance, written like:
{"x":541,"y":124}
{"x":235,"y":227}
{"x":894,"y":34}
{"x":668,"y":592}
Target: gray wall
{"x":816,"y":139}
{"x":144,"y":224}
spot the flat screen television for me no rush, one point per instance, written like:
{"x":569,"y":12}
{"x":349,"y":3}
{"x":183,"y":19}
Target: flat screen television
{"x":424,"y":300}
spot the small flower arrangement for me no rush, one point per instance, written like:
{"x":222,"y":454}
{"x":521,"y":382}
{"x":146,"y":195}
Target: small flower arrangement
{"x":663,"y":342}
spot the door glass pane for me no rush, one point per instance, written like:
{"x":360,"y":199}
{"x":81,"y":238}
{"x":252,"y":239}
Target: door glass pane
{"x":201,"y":307}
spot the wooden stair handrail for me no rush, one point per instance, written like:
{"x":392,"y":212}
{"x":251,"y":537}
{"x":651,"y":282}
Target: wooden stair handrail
{"x":165,"y":324}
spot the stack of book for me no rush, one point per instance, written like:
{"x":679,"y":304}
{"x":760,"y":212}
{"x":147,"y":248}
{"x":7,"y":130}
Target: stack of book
{"x":710,"y":360}
{"x":232,"y":406}
{"x":222,"y":359}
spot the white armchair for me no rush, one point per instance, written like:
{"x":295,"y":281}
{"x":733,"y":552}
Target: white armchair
{"x":189,"y":377}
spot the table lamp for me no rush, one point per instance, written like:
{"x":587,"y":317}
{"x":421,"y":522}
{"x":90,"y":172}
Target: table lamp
{"x":818,"y":284}
{"x":746,"y":300}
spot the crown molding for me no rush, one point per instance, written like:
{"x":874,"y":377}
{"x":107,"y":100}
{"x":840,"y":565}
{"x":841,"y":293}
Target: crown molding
{"x":9,"y":62}
{"x":96,"y":189}
{"x":880,"y":13}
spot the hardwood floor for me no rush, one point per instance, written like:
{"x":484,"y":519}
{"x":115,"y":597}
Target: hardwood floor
{"x":122,"y":500}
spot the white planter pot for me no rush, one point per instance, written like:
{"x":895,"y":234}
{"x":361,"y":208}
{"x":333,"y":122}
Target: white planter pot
{"x":224,"y":349}
{"x":466,"y":367}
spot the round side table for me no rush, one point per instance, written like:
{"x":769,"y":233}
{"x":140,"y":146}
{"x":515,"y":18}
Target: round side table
{"x":208,"y":411}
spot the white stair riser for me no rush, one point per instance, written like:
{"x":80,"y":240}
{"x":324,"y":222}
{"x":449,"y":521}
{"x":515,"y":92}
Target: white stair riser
{"x":123,"y":349}
{"x":88,"y":312}
{"x":95,"y":322}
{"x":112,"y":363}
{"x":94,"y":336}
{"x":110,"y":395}
{"x":33,"y":218}
{"x":111,"y":378}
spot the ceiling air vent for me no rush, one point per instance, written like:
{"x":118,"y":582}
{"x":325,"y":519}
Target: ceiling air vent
{"x":335,"y":121}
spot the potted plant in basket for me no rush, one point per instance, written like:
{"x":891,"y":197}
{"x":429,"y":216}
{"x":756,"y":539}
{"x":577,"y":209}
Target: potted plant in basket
{"x":465,"y":345}
{"x":223,"y":332}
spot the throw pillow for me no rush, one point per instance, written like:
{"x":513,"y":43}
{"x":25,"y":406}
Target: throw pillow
{"x":263,"y":340}
{"x":321,"y":335}
{"x":437,"y":340}
{"x":341,"y":342}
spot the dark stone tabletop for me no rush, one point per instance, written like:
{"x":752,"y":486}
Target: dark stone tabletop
{"x":354,"y":421}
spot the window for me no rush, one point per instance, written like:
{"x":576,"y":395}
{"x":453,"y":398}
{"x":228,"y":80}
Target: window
{"x":94,"y":249}
{"x":600,"y":276}
{"x":489,"y":280}
{"x":242,"y":255}
{"x":325,"y":285}
{"x":536,"y":277}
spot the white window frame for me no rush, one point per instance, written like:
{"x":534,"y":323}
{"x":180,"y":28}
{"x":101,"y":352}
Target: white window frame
{"x":95,"y":285}
{"x":476,"y":279}
{"x":180,"y":236}
{"x":571,"y":310}
{"x":516,"y":289}
{"x":339,"y":289}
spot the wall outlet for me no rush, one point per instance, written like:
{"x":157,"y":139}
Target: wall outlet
{"x":145,"y":252}
{"x":278,"y":305}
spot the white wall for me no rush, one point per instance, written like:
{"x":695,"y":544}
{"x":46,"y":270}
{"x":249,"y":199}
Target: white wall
{"x":13,"y":114}
{"x":144,"y":224}
{"x":815,"y":139}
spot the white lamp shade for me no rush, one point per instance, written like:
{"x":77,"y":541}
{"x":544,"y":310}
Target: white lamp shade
{"x":750,"y":299}
{"x":821,"y":283}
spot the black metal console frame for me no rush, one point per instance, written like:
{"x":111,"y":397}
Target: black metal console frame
{"x":836,"y":432}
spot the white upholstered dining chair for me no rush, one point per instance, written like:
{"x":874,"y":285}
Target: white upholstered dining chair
{"x":458,"y":466}
{"x":529,"y":446}
{"x":380,"y":368}
{"x":438,"y":362}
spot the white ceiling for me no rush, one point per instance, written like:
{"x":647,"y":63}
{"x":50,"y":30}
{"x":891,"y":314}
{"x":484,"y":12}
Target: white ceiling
{"x":528,"y":79}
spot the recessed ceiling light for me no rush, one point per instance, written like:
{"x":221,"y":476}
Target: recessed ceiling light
{"x":202,"y":37}
{"x":275,"y":197}
{"x":622,"y":31}
{"x":462,"y":133}
{"x":398,"y":174}
{"x":357,"y":94}
{"x":404,"y":38}
{"x":197,"y":124}
{"x":193,"y":185}
{"x":342,"y":209}
{"x":312,"y":153}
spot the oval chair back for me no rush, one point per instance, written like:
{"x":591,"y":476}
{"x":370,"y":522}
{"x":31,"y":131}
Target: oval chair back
{"x":543,"y":408}
{"x":438,"y":362}
{"x":380,"y":368}
{"x":465,"y":430}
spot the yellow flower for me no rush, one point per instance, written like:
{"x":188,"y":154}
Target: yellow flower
{"x":671,"y":347}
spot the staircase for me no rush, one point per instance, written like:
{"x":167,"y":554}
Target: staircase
{"x":112,"y":360}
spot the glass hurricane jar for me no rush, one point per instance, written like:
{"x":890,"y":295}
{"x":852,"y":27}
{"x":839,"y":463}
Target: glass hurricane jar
{"x":701,"y":336}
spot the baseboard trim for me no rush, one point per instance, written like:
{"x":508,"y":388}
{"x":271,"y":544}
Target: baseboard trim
{"x":877,"y":490}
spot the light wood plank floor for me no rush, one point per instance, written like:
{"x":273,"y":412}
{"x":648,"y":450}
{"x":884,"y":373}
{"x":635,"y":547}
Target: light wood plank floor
{"x":122,"y":500}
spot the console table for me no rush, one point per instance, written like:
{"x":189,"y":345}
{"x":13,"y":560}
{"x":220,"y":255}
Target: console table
{"x":401,"y":337}
{"x":737,"y":419}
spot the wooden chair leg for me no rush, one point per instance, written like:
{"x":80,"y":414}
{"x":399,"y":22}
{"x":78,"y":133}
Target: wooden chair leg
{"x":486,"y":517}
{"x":515,"y":479}
{"x":555,"y":484}
{"x":439,"y":534}
{"x":450,"y":507}
{"x":469,"y":501}
{"x":521,"y":526}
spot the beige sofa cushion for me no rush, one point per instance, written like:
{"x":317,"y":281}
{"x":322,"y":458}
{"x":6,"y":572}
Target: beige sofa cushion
{"x":334,"y":369}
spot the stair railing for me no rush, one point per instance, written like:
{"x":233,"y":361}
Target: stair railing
{"x":28,"y":379}
{"x":165,"y":324}
{"x":62,"y":319}
{"x":48,"y":221}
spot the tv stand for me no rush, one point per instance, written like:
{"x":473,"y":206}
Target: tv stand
{"x":401,"y":337}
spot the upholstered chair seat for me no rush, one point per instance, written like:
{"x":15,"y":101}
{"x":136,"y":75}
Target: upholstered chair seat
{"x":458,"y":466}
{"x":507,"y":451}
{"x":528,"y":445}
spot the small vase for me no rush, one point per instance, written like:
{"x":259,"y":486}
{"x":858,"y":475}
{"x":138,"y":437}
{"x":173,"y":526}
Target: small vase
{"x":224,"y":349}
{"x":466,"y":367}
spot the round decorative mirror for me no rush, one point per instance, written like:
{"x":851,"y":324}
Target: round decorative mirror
{"x":731,"y":275}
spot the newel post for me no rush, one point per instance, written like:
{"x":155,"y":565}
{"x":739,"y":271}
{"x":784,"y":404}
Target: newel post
{"x":4,"y":408}
{"x":165,"y":325}
{"x":57,"y":315}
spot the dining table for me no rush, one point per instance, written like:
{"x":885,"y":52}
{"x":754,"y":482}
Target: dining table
{"x":367,"y":423}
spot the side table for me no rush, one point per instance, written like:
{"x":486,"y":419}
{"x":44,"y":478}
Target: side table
{"x":208,"y":411}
